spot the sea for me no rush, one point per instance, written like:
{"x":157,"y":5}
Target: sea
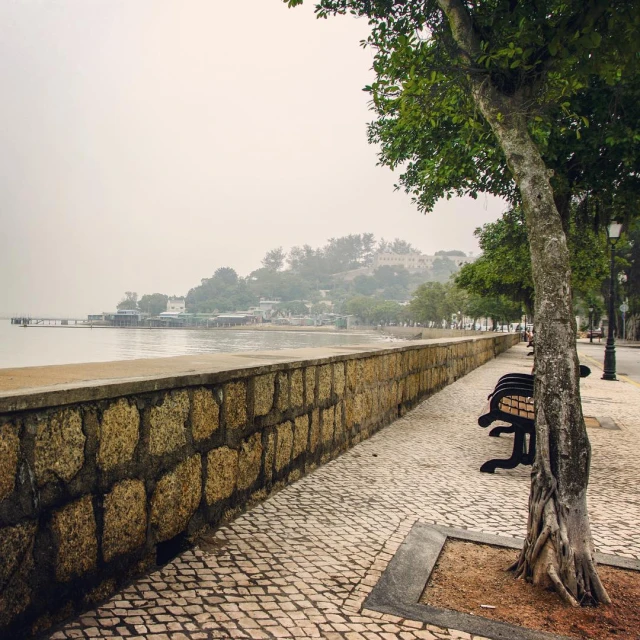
{"x":45,"y":345}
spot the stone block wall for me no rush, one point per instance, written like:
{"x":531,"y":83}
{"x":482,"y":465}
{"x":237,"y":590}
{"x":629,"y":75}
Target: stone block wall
{"x":96,"y":491}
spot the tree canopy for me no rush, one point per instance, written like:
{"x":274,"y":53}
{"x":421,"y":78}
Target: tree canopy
{"x":153,"y":304}
{"x":572,"y":63}
{"x":130,"y":301}
{"x":504,"y":268}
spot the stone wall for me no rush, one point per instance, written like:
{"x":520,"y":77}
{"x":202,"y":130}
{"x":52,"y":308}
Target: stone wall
{"x":101,"y":481}
{"x":416,"y":333}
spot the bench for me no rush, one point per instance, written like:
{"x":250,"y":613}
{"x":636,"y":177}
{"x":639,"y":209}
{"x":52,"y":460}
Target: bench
{"x":512,"y":401}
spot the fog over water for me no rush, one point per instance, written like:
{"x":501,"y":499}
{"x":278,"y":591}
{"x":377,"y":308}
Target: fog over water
{"x":146,"y":144}
{"x":36,"y":346}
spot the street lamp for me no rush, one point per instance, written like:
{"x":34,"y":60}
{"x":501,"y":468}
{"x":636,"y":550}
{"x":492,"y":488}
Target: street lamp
{"x":610,"y":350}
{"x":591,"y":324}
{"x":460,"y":319}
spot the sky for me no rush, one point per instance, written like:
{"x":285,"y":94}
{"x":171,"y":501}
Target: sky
{"x":145,"y":144}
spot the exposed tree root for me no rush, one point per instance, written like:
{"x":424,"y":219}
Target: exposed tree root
{"x":550,"y":557}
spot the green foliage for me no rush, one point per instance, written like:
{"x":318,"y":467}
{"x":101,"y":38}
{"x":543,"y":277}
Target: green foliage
{"x":371,"y":311}
{"x":500,"y":309}
{"x":349,"y":252}
{"x":305,"y":271}
{"x":573,"y":65}
{"x":388,"y":276}
{"x":396,"y":246}
{"x":130,"y":301}
{"x":365,"y":285}
{"x":281,"y":285}
{"x":224,"y":291}
{"x":435,"y":303}
{"x":320,"y":307}
{"x":293,"y":307}
{"x":442,"y":269}
{"x":274,"y":259}
{"x":386,"y":312}
{"x":504,"y":268}
{"x":361,"y":307}
{"x":226,"y":276}
{"x":153,"y":304}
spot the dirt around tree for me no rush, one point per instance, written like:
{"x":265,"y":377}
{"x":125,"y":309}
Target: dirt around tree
{"x":469,"y":575}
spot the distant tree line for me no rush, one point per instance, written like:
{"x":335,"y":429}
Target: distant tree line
{"x":319,"y":274}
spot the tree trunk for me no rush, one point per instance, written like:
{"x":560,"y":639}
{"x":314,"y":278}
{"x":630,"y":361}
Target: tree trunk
{"x":558,"y":549}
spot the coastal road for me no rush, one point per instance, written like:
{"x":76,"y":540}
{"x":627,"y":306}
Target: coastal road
{"x":627,"y":358}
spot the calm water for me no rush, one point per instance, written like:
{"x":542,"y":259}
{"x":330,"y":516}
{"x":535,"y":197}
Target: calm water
{"x":35,"y":346}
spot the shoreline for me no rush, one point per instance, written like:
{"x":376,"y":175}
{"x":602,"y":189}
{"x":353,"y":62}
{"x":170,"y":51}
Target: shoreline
{"x":321,"y":329}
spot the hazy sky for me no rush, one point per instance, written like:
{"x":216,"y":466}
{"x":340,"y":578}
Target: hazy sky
{"x":146,"y":143}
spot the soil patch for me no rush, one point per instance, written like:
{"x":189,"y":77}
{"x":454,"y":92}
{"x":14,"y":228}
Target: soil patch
{"x":469,"y":575}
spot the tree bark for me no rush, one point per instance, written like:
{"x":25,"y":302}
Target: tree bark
{"x":558,"y":549}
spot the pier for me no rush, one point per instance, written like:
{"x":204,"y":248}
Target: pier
{"x":26,"y":321}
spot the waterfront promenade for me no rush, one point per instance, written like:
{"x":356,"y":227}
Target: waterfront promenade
{"x":301,"y":564}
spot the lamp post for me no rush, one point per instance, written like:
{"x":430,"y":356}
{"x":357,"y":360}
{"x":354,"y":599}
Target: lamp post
{"x":460,"y":320}
{"x":610,"y":350}
{"x":591,"y":324}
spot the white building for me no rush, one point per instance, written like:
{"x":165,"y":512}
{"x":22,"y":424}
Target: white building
{"x":413,"y":261}
{"x":176,"y":305}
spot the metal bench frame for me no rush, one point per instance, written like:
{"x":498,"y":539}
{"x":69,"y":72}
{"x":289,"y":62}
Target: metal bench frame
{"x":512,"y":402}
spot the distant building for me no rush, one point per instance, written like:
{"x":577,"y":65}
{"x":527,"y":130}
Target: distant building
{"x":176,"y":305}
{"x":126,"y":318}
{"x":413,"y":261}
{"x":226,"y":319}
{"x":267,"y":307}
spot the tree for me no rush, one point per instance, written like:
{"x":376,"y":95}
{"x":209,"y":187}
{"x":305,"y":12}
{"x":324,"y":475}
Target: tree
{"x":428,"y":305}
{"x":396,"y":246}
{"x":365,"y":285}
{"x":500,"y":309}
{"x":224,"y":291}
{"x":153,"y":304}
{"x":349,"y":252}
{"x":282,"y":285}
{"x":361,"y":307}
{"x":504,"y":268}
{"x":388,"y":276}
{"x":226,"y":275}
{"x":442,"y":269}
{"x":293,"y":307}
{"x":488,"y":85}
{"x":437,"y":302}
{"x":274,"y":259}
{"x":321,"y":307}
{"x":386,"y":311}
{"x":130,"y":301}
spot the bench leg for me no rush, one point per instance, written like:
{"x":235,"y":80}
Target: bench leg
{"x":530,"y":455}
{"x":516,"y":457}
{"x":496,"y":431}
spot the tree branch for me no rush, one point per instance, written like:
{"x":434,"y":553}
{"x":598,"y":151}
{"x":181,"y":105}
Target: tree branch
{"x":462,"y":28}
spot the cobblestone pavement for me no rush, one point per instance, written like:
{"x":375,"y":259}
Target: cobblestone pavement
{"x":301,"y":564}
